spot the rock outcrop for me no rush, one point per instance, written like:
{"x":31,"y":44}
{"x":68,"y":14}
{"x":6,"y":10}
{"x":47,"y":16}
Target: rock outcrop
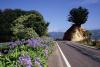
{"x":75,"y":33}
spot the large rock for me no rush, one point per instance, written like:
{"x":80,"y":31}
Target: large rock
{"x":75,"y":33}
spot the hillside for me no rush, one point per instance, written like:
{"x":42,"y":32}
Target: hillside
{"x":59,"y":35}
{"x":95,"y":34}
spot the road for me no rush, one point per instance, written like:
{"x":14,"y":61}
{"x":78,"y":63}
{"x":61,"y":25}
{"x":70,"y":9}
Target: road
{"x":80,"y":56}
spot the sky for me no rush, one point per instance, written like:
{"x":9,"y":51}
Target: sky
{"x":56,"y":11}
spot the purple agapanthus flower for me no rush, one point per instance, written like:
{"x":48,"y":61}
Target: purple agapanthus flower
{"x":24,"y":41}
{"x":37,"y":62}
{"x":25,"y":60}
{"x":33,"y":42}
{"x":18,"y":42}
{"x":46,"y":50}
{"x":12,"y":44}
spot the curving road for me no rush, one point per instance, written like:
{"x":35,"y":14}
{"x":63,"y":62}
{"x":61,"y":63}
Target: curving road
{"x":80,"y":56}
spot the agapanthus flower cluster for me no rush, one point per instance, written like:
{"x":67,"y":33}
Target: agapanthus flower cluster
{"x":33,"y":42}
{"x":46,"y":50}
{"x":37,"y":62}
{"x":12,"y":44}
{"x":25,"y":61}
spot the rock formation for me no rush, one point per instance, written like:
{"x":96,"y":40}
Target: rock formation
{"x":75,"y":33}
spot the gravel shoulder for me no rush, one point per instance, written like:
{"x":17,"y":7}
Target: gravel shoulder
{"x":55,"y":59}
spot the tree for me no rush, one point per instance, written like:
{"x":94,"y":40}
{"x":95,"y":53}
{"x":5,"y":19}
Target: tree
{"x":8,"y":16}
{"x":29,"y":22}
{"x":37,"y":23}
{"x":0,"y":12}
{"x":78,"y":16}
{"x":20,"y":32}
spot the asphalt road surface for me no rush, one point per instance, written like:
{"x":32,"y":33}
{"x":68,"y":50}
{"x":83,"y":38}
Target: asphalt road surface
{"x":80,"y":56}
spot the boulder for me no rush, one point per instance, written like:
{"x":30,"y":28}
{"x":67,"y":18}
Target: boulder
{"x":75,"y":33}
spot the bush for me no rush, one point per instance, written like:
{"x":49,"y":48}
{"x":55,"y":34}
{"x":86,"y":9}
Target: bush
{"x":19,"y":31}
{"x":32,"y":21}
{"x":26,"y":34}
{"x":96,"y":43}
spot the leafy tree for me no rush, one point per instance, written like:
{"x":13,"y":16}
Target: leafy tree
{"x":37,"y":23}
{"x":8,"y":16}
{"x":0,"y":12}
{"x":29,"y":22}
{"x":78,"y":16}
{"x":20,"y":32}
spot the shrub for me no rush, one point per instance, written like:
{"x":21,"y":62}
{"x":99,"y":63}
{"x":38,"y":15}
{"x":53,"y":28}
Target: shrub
{"x":33,"y":21}
{"x":30,"y":19}
{"x":27,"y":33}
{"x":19,"y":31}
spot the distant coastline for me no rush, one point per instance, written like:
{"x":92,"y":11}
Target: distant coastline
{"x":59,"y":35}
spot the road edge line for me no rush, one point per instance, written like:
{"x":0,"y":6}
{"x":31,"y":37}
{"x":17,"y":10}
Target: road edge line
{"x":65,"y":59}
{"x":89,"y":46}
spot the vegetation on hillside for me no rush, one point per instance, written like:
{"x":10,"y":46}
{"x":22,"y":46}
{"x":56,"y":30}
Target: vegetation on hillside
{"x":26,"y":53}
{"x":25,"y":33}
{"x":10,"y":18}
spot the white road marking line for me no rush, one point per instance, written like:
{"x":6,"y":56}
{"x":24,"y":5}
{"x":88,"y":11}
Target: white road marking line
{"x":65,"y":59}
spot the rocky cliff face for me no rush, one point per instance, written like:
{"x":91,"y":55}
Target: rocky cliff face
{"x":75,"y":33}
